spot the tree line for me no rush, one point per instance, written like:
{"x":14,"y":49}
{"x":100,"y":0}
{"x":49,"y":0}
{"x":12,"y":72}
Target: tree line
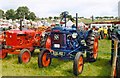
{"x":24,"y":12}
{"x":21,"y":12}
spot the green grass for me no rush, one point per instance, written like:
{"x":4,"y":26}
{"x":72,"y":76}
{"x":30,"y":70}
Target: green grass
{"x":90,"y":21}
{"x":101,"y":67}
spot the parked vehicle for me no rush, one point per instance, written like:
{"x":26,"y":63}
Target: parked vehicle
{"x":23,"y":43}
{"x":70,"y":43}
{"x":115,"y":51}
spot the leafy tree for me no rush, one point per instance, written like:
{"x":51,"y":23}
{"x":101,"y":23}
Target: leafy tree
{"x":42,"y":18}
{"x":22,"y":12}
{"x":32,"y":16}
{"x":80,"y":17}
{"x":55,"y":17}
{"x":1,"y":13}
{"x":67,"y":15}
{"x":10,"y":14}
{"x":50,"y":17}
{"x":105,"y":17}
{"x":97,"y":17}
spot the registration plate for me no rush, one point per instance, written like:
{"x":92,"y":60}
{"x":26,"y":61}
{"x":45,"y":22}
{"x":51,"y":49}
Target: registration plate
{"x":57,"y":45}
{"x":58,"y":53}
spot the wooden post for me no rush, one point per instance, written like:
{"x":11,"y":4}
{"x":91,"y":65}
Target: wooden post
{"x":114,"y":58}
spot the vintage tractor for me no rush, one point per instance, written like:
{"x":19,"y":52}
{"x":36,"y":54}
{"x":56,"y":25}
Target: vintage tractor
{"x":115,"y":51}
{"x":23,"y":43}
{"x":70,"y":43}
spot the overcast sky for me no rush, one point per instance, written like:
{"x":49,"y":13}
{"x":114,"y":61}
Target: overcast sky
{"x":45,"y":8}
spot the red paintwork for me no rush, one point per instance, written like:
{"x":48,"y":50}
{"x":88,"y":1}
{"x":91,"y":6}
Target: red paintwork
{"x":48,"y":43}
{"x":22,"y":39}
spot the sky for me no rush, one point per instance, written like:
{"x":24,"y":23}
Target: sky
{"x":46,"y":8}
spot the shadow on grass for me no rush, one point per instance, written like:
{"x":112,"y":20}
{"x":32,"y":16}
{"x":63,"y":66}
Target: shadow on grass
{"x":10,"y":56}
{"x":35,"y":54}
{"x":101,"y":63}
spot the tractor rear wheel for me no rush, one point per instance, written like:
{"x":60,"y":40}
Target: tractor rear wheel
{"x":43,"y":58}
{"x":118,"y":67}
{"x":92,"y":43}
{"x":112,"y":51}
{"x":43,"y":41}
{"x":24,"y":56}
{"x":78,"y":64}
{"x":114,"y":73}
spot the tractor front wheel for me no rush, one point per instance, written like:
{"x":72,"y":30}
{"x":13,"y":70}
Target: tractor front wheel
{"x":78,"y":64}
{"x":44,"y":60}
{"x":24,"y":56}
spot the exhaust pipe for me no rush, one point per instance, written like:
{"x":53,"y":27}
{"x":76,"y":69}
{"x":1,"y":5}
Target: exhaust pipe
{"x":21,"y":24}
{"x":76,"y":20}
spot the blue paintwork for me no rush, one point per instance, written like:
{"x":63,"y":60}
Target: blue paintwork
{"x":68,"y":46}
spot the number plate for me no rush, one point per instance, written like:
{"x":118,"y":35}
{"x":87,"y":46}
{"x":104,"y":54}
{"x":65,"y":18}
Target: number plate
{"x":57,"y":45}
{"x":58,"y":53}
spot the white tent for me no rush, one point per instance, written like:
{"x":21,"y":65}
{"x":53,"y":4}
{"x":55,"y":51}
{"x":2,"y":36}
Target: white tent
{"x":69,"y":24}
{"x":81,"y":24}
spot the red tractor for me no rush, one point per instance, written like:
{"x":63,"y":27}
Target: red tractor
{"x":23,"y":43}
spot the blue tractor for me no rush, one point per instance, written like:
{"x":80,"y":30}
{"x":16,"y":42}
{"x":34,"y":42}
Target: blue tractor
{"x":70,"y":43}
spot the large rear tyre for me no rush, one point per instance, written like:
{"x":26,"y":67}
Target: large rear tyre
{"x":78,"y":64}
{"x":44,"y":60}
{"x":114,"y":73}
{"x":92,"y":43}
{"x":112,"y":51}
{"x":24,"y":56}
{"x":118,"y":68}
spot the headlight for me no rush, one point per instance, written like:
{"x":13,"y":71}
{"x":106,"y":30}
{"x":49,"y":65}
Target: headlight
{"x":74,"y":35}
{"x":57,"y":45}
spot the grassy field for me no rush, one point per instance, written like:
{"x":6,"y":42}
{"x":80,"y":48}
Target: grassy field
{"x":101,"y":67}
